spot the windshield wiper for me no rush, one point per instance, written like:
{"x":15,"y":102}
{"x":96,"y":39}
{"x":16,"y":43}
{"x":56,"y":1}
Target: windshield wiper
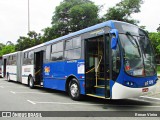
{"x":129,"y":35}
{"x":135,"y":45}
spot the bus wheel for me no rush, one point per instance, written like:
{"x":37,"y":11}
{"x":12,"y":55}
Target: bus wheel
{"x":8,"y":78}
{"x":74,"y":90}
{"x":31,"y":82}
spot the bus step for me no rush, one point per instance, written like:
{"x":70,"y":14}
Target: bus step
{"x":100,"y":89}
{"x":99,"y":86}
{"x":38,"y":85}
{"x":97,"y":96}
{"x":102,"y":79}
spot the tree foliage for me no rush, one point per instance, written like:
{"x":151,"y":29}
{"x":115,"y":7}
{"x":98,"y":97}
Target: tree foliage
{"x":31,"y":40}
{"x":155,"y":40}
{"x":123,"y":11}
{"x":7,"y":49}
{"x":1,"y":46}
{"x":71,"y":16}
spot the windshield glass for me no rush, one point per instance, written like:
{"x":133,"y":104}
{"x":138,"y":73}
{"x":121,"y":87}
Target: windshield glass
{"x":138,"y":55}
{"x":148,"y":56}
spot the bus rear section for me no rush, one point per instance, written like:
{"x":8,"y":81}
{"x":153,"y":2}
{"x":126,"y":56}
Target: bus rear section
{"x":11,"y":68}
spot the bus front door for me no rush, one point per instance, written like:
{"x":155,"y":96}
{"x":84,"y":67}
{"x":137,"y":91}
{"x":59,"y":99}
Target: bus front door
{"x":97,"y":67}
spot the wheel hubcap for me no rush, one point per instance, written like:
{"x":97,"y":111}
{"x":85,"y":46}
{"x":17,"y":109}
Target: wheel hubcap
{"x":30,"y":82}
{"x":74,"y":90}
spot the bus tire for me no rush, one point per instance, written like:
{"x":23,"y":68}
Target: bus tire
{"x":8,"y":78}
{"x":31,"y":82}
{"x":74,"y":89}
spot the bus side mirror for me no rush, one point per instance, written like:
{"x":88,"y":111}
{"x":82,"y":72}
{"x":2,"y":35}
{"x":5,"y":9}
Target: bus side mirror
{"x":114,"y":40}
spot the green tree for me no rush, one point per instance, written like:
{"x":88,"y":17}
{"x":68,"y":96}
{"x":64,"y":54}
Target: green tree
{"x":7,"y":49}
{"x":123,"y":11}
{"x":31,"y":40}
{"x":71,"y":16}
{"x":1,"y":46}
{"x":50,"y":33}
{"x":155,"y":40}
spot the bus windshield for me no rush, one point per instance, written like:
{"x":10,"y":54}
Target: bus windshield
{"x":139,"y":59}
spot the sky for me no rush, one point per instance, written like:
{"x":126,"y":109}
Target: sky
{"x":14,"y":16}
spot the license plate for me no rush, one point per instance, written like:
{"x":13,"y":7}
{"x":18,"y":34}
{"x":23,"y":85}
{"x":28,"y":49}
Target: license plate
{"x":145,"y":90}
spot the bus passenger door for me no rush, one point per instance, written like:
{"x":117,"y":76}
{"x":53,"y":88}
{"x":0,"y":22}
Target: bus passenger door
{"x":4,"y":67}
{"x":38,"y":67}
{"x":96,"y":67}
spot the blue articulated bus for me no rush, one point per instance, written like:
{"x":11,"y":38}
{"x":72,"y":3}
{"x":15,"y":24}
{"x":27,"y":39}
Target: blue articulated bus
{"x":112,"y":60}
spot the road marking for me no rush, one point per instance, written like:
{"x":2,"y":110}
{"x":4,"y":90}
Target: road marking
{"x":150,"y":97}
{"x":132,"y":106}
{"x":31,"y":102}
{"x":4,"y":83}
{"x":147,"y":99}
{"x":60,"y":103}
{"x":12,"y":92}
{"x":27,"y":92}
{"x":12,"y":87}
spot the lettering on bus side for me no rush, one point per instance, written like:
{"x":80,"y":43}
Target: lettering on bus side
{"x":72,"y":61}
{"x":27,"y":69}
{"x":97,"y":32}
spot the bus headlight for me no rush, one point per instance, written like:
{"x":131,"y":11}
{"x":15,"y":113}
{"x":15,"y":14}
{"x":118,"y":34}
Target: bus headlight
{"x":129,"y":83}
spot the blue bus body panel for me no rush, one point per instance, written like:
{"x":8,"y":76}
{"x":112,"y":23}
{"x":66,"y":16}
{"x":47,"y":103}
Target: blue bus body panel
{"x":56,"y":73}
{"x":139,"y":82}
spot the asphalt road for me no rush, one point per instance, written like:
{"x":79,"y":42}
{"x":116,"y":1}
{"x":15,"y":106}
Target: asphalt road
{"x":20,"y":98}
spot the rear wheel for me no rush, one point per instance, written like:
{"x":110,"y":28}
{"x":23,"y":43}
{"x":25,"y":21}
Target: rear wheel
{"x":74,"y":89}
{"x":8,"y":78}
{"x":31,"y":82}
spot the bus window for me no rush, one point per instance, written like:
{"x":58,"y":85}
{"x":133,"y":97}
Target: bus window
{"x":73,"y":54}
{"x":28,"y":58}
{"x":68,"y":44}
{"x":57,"y":51}
{"x":14,"y":60}
{"x":31,"y":55}
{"x":73,"y":43}
{"x":48,"y":53}
{"x":26,"y":55}
{"x":77,"y":42}
{"x":57,"y":47}
{"x":57,"y":56}
{"x":73,"y":49}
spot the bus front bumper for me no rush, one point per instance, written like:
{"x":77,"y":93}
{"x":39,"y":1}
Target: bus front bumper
{"x":121,"y":92}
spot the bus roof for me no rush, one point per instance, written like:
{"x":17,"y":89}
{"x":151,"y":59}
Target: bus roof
{"x":97,"y":26}
{"x":10,"y":54}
